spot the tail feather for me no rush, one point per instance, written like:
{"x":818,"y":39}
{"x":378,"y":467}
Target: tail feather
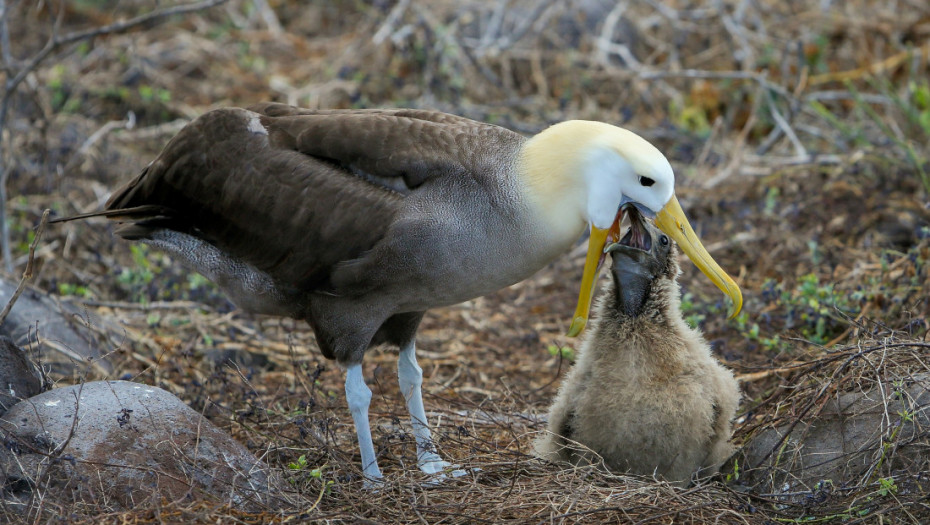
{"x":119,"y":208}
{"x":126,"y":214}
{"x":135,"y":223}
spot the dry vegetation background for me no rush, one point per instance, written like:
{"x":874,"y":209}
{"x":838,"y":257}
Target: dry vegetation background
{"x":799,"y":132}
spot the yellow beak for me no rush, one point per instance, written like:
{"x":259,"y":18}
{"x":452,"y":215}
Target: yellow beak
{"x":592,"y":265}
{"x":671,"y":220}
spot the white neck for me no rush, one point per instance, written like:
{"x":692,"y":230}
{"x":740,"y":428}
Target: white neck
{"x":548,"y":165}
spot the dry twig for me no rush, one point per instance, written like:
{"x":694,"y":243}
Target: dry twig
{"x":27,"y":273}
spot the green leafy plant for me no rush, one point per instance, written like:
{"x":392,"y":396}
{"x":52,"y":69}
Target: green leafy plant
{"x":887,"y":486}
{"x":690,"y":117}
{"x":153,"y":319}
{"x":734,"y":474}
{"x":301,"y":466}
{"x":751,"y":331}
{"x":772,"y":194}
{"x":150,"y":94}
{"x":73,"y":289}
{"x":813,"y":308}
{"x":565,"y":352}
{"x":689,"y":309}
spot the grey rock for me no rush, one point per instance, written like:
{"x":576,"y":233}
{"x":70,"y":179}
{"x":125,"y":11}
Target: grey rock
{"x":67,"y":338}
{"x":18,"y":377}
{"x":856,"y":438}
{"x":123,"y":445}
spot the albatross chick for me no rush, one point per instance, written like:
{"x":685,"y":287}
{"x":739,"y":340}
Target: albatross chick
{"x":645,"y":395}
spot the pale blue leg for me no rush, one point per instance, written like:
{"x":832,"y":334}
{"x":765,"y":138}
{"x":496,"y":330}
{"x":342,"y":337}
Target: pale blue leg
{"x":358,"y":395}
{"x":410,"y":378}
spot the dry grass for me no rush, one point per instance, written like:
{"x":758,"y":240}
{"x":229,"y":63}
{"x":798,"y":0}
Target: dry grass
{"x":798,"y":136}
{"x":881,"y":460}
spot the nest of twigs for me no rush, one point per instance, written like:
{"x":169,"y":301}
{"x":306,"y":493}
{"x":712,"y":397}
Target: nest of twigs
{"x":846,"y":433}
{"x":289,"y":410}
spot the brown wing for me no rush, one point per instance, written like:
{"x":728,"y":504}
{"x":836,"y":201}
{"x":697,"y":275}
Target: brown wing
{"x":302,"y":191}
{"x":389,"y":146}
{"x":275,"y":109}
{"x":288,"y":214}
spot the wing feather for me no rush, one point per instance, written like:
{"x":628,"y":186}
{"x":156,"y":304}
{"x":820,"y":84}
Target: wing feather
{"x":296,"y":192}
{"x":382,"y":144}
{"x":286,"y":213}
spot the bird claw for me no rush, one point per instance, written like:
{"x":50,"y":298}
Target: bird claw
{"x":438,"y":470}
{"x":373,"y":484}
{"x":437,"y":478}
{"x":432,"y":464}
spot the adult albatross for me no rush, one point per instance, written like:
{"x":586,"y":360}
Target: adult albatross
{"x":358,"y":221}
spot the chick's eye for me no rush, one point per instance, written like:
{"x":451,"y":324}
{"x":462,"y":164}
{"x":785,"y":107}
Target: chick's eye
{"x":664,"y":240}
{"x":646,"y":181}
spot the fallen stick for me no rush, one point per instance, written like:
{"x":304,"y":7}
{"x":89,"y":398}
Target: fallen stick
{"x":27,"y":273}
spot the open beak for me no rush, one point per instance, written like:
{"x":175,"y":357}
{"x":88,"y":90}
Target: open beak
{"x":592,"y":266}
{"x":671,"y":220}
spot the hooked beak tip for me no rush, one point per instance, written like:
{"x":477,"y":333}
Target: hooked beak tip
{"x":671,"y":220}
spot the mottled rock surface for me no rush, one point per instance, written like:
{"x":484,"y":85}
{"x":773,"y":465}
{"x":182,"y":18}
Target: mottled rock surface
{"x":121,"y":445}
{"x":856,"y":438}
{"x":19,"y":379}
{"x":67,"y":338}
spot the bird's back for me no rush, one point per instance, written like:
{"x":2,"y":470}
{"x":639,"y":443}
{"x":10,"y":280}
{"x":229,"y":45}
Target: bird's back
{"x":223,"y":180}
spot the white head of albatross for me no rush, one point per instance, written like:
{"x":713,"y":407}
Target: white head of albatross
{"x":582,"y":172}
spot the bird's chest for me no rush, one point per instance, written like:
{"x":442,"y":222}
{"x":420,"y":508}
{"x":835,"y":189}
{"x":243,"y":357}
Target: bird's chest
{"x":467,"y":255}
{"x":457,"y":253}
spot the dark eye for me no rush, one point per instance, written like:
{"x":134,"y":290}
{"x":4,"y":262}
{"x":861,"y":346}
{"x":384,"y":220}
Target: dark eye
{"x":664,"y":240}
{"x":646,"y":181}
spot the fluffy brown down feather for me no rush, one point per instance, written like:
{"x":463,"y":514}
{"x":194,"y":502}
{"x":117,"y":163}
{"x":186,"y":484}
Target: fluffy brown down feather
{"x":646,"y":395}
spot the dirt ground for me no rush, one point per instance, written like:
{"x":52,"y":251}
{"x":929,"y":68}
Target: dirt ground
{"x":798,"y":131}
